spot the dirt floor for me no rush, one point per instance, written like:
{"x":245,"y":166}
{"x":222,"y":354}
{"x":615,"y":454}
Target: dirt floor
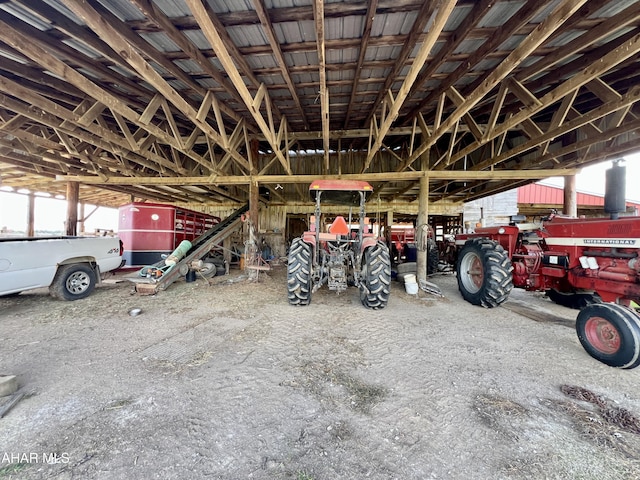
{"x":229,"y":381}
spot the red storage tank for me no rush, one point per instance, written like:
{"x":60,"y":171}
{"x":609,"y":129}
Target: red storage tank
{"x":149,"y":230}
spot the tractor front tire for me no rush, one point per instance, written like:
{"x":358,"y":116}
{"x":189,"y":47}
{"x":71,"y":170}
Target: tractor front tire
{"x":299,"y":273}
{"x":375,"y":285}
{"x":610,"y":333}
{"x":484,"y":273}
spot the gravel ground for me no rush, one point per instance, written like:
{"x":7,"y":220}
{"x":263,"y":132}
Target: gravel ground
{"x":228,"y":381}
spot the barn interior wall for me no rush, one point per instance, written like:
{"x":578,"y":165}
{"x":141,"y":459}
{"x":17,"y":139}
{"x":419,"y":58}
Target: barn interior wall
{"x":273,"y":225}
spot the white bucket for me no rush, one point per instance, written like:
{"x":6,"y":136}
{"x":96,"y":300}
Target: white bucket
{"x":409,"y":278}
{"x":411,"y":287}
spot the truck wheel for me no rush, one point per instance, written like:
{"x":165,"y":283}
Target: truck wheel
{"x":299,"y":273}
{"x":484,"y":273}
{"x":376,"y":277}
{"x":73,"y":282}
{"x":610,"y":333}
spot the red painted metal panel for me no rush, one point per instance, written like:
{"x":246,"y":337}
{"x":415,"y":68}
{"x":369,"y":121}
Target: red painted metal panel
{"x":154,"y":227}
{"x":341,"y":185}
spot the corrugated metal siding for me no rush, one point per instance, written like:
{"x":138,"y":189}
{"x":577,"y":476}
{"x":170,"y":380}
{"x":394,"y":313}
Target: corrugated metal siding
{"x":457,"y":17}
{"x":295,"y":32}
{"x":160,"y":41}
{"x":499,"y":14}
{"x":26,"y":16}
{"x":544,"y":13}
{"x":247,"y":36}
{"x":220,"y":6}
{"x":123,"y":9}
{"x":173,"y":8}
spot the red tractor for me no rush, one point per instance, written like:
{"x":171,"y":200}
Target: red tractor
{"x":592,"y":264}
{"x":339,"y":254}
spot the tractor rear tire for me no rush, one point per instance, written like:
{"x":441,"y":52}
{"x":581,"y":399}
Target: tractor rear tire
{"x":375,"y":286}
{"x":610,"y":333}
{"x":299,"y":273}
{"x":484,"y":273}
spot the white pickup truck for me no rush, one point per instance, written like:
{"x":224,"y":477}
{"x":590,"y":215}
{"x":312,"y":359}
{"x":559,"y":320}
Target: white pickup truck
{"x":70,"y":266}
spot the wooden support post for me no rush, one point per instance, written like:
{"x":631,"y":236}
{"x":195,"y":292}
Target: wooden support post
{"x":570,"y":196}
{"x":81,"y":219}
{"x":31,"y":216}
{"x":254,"y":188}
{"x":73,"y":193}
{"x":423,"y":218}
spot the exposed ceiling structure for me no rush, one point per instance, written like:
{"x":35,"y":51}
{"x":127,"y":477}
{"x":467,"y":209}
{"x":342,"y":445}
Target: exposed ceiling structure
{"x":194,"y":101}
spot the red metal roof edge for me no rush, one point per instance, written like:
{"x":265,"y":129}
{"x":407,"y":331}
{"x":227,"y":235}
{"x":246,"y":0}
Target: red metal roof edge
{"x":550,"y":195}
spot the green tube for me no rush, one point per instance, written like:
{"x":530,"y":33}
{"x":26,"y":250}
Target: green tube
{"x":178,"y":253}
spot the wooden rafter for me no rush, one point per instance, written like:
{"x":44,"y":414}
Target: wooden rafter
{"x":364,"y":43}
{"x":252,"y":103}
{"x":111,"y":36}
{"x":443,"y":11}
{"x":552,"y":22}
{"x":318,"y":15}
{"x":598,"y":68}
{"x":267,"y":26}
{"x":152,"y":12}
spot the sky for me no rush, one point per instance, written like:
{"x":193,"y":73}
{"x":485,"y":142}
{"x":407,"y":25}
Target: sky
{"x":50,"y":212}
{"x":591,"y":179}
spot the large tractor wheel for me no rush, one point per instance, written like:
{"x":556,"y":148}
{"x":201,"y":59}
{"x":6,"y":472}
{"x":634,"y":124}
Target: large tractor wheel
{"x":299,"y":273}
{"x":484,"y":273}
{"x":610,"y":333}
{"x":375,"y":285}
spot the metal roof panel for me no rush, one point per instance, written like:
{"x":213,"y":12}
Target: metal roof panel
{"x":499,"y":13}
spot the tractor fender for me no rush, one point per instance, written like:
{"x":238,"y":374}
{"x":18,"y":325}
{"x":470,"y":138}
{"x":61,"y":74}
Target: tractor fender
{"x":310,"y":238}
{"x":368,"y":242}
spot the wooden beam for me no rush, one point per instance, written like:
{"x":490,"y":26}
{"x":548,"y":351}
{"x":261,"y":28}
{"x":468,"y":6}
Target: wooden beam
{"x":568,"y":87}
{"x":213,"y":36}
{"x":364,"y":42}
{"x":112,"y":36}
{"x":493,"y":175}
{"x":318,"y":16}
{"x":502,"y":34}
{"x":444,"y":10}
{"x":276,"y":50}
{"x":551,"y":23}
